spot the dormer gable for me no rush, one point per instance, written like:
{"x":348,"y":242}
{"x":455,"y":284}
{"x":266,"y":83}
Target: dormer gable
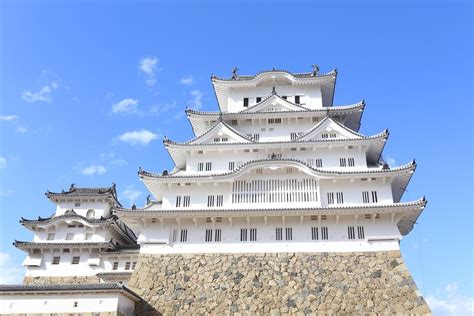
{"x":328,"y":129}
{"x":274,"y":103}
{"x":220,"y":133}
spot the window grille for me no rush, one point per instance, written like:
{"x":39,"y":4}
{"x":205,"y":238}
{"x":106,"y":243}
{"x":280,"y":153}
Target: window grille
{"x":128,"y":265}
{"x":365,"y":197}
{"x":374,"y":197}
{"x":314,"y":233}
{"x":115,"y":266}
{"x":289,"y":233}
{"x":318,"y":162}
{"x":342,"y":162}
{"x":339,"y":198}
{"x":360,"y":232}
{"x":184,"y":235}
{"x":243,"y":234}
{"x":350,"y":232}
{"x":274,"y":191}
{"x":278,"y":233}
{"x":324,"y":233}
{"x":218,"y":234}
{"x":208,"y":166}
{"x":246,"y":102}
{"x":330,"y":197}
{"x":56,"y":260}
{"x":350,"y":162}
{"x":200,"y":166}
{"x":253,"y":234}
{"x":75,"y":260}
{"x":208,"y":235}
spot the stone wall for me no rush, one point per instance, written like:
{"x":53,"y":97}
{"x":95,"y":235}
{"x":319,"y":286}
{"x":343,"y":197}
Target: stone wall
{"x":295,"y":283}
{"x":60,"y":280}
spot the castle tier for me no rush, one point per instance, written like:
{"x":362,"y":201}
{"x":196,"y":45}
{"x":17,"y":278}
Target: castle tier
{"x":83,"y":241}
{"x":277,"y":169}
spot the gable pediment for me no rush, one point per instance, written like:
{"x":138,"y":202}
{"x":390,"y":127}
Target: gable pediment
{"x":220,"y":133}
{"x":329,"y":129}
{"x":274,"y":103}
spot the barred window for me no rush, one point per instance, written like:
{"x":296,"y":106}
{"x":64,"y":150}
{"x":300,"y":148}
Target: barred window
{"x":350,"y":162}
{"x":330,"y":197}
{"x":374,"y":197}
{"x":184,"y":235}
{"x":342,"y":162}
{"x":208,"y":166}
{"x":220,"y":200}
{"x":200,"y":166}
{"x":314,"y":233}
{"x":324,"y":233}
{"x":318,"y":162}
{"x":128,"y":265}
{"x":75,"y":260}
{"x":278,"y":233}
{"x":360,"y":232}
{"x":218,"y":234}
{"x":365,"y":197}
{"x":115,"y":266}
{"x":289,"y":233}
{"x":210,"y":200}
{"x":339,"y":198}
{"x":350,"y":232}
{"x":208,"y":235}
{"x":243,"y":234}
{"x":253,"y":234}
{"x":186,"y":201}
{"x":231,"y":165}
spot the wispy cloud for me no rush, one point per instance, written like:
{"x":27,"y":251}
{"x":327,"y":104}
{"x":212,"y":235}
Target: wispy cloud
{"x":196,"y":101}
{"x":187,"y":80}
{"x":21,"y":130}
{"x":449,"y":301}
{"x":3,"y":162}
{"x":149,"y":66}
{"x":125,"y":106}
{"x":161,"y":109}
{"x":8,"y":118}
{"x":140,"y":138}
{"x":112,"y":160}
{"x":131,"y":194}
{"x":93,"y":170}
{"x":391,"y":161}
{"x":10,"y":271}
{"x":43,"y":95}
{"x":6,"y":192}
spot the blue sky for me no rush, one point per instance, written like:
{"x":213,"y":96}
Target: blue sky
{"x":88,"y":90}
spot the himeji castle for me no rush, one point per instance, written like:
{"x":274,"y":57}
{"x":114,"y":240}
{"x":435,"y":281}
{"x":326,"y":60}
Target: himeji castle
{"x":277,"y":205}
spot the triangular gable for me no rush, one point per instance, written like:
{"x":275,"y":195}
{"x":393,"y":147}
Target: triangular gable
{"x":220,"y":133}
{"x":329,"y":129}
{"x":274,"y":103}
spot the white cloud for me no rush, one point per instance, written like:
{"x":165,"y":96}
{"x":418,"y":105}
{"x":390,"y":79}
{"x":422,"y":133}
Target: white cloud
{"x":141,"y":137}
{"x":148,"y":66}
{"x":196,"y":101}
{"x":94,"y":169}
{"x":43,"y":95}
{"x":21,"y":130}
{"x":125,"y":106}
{"x":391,"y":161}
{"x":188,"y":80}
{"x":10,"y":272}
{"x":160,"y":109}
{"x":6,"y":193}
{"x":131,"y":194}
{"x":450,"y":302}
{"x":8,"y":118}
{"x":3,"y":162}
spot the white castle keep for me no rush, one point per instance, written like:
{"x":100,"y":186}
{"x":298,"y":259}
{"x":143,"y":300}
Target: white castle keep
{"x":278,"y":170}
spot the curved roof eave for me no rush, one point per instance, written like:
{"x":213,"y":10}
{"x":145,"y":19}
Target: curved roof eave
{"x":290,"y":162}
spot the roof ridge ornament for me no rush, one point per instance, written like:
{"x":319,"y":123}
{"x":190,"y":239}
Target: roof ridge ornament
{"x":72,"y":187}
{"x":234,"y":73}
{"x":315,"y":70}
{"x":274,"y":92}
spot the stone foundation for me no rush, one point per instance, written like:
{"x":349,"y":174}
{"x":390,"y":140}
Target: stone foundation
{"x":295,"y":283}
{"x":61,"y":280}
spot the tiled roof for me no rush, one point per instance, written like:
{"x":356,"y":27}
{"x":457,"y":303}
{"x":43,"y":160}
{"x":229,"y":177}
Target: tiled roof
{"x":70,"y":215}
{"x":86,"y":192}
{"x":357,"y":106}
{"x":42,"y":245}
{"x":67,"y":288}
{"x":295,"y":75}
{"x":361,"y":206}
{"x":411,"y":165}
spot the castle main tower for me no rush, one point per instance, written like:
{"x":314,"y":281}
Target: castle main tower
{"x":277,"y":205}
